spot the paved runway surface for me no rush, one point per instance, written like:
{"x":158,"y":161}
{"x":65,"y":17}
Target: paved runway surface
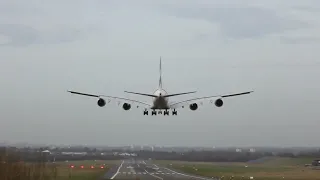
{"x":144,"y":170}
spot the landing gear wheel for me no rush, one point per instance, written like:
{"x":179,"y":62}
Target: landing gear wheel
{"x":174,"y":112}
{"x":154,"y":113}
{"x":145,"y":112}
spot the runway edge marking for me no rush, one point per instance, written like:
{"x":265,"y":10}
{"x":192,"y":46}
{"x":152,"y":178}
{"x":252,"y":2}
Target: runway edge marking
{"x":188,"y":175}
{"x":117,"y":171}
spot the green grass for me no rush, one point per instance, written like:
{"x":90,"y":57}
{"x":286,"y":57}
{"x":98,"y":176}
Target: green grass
{"x":288,"y":161}
{"x":79,"y":174}
{"x":271,"y":169}
{"x":65,"y":172}
{"x":90,"y":162}
{"x":55,"y":171}
{"x":12,"y":168}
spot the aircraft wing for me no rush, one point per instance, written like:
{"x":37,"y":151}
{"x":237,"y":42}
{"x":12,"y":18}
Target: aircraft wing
{"x":118,"y":100}
{"x":201,"y":100}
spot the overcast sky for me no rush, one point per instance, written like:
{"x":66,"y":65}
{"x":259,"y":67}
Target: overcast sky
{"x":213,"y":47}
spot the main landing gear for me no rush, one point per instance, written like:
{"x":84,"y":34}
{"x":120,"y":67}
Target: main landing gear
{"x":165,"y":112}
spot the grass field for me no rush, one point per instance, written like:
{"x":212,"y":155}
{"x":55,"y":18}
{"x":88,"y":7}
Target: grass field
{"x":74,"y":170}
{"x":269,"y":169}
{"x":83,"y":170}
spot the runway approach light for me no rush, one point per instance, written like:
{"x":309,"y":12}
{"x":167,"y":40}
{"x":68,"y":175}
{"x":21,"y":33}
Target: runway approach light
{"x":72,"y":166}
{"x":101,"y":167}
{"x":81,"y":167}
{"x":92,"y":167}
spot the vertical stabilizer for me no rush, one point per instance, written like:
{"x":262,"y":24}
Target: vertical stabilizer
{"x":160,"y":79}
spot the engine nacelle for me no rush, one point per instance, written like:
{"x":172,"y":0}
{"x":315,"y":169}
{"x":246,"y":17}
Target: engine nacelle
{"x":193,"y":106}
{"x":126,"y":106}
{"x":101,"y":102}
{"x":218,"y":102}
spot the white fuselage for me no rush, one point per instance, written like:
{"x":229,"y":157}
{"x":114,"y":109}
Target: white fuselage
{"x":160,"y":102}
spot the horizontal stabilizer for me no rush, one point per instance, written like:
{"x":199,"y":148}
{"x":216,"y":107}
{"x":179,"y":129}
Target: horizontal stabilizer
{"x":178,"y":94}
{"x":142,"y":94}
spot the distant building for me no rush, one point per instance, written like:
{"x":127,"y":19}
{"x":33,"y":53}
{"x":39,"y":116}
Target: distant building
{"x":316,"y":162}
{"x":74,"y":153}
{"x":252,"y":150}
{"x":46,"y":152}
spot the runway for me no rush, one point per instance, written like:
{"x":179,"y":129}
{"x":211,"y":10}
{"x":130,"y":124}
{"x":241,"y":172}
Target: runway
{"x":145,"y":170}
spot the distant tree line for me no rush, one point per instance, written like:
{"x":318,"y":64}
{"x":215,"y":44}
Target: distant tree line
{"x":205,"y":156}
{"x":222,"y":156}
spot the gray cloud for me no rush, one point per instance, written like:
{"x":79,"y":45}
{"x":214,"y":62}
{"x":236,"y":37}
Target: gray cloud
{"x":35,"y":22}
{"x":18,"y":35}
{"x":300,"y":40}
{"x":307,"y":8}
{"x":239,"y":21}
{"x":23,"y":35}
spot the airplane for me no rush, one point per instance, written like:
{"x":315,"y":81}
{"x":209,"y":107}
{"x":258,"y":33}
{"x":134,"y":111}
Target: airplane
{"x":161,"y":100}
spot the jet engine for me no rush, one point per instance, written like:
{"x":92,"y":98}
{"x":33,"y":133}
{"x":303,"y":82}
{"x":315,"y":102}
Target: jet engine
{"x":126,"y":106}
{"x":193,"y":106}
{"x":101,"y":102}
{"x":218,"y":102}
